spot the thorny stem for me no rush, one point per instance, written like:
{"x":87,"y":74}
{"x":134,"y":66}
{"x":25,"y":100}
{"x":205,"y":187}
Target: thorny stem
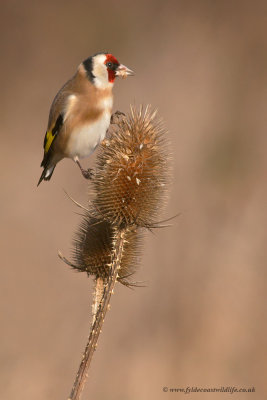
{"x":97,"y":296}
{"x":99,"y":317}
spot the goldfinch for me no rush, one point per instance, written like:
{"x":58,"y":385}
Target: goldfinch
{"x":80,"y":113}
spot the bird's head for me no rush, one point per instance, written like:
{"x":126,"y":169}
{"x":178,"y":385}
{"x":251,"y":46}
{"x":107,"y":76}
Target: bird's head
{"x":103,"y":68}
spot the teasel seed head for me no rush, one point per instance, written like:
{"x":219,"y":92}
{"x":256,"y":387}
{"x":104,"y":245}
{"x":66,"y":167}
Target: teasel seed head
{"x":93,"y":249}
{"x":132,"y":171}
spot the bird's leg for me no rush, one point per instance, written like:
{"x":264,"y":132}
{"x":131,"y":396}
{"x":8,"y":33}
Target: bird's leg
{"x":87,"y":173}
{"x":116,"y":116}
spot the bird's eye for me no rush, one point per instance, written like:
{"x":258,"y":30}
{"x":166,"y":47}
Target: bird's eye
{"x":109,"y":64}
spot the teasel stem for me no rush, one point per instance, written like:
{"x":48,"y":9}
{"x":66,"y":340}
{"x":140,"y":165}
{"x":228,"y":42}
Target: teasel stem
{"x":102,"y":308}
{"x":97,"y":296}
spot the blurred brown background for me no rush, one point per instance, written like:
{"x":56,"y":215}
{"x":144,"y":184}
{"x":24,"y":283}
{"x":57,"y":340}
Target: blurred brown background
{"x":201,"y":321}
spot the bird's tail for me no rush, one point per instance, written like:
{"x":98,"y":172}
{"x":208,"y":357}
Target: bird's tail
{"x":46,"y":174}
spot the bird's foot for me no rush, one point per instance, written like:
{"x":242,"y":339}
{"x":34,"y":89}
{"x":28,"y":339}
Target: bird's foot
{"x":87,"y":173}
{"x":116,"y":117}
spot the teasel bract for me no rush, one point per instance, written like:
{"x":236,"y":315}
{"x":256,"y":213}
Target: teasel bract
{"x":129,"y":189}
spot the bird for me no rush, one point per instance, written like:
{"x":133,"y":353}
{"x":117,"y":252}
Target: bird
{"x":80,"y":113}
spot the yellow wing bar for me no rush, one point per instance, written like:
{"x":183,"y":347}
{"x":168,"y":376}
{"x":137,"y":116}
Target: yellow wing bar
{"x":50,"y":135}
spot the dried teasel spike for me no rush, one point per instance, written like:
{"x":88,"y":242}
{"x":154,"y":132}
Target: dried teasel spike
{"x":131,"y":176}
{"x":130,"y":186}
{"x":93,"y":249}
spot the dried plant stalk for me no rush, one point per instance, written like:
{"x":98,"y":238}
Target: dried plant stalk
{"x":119,"y":241}
{"x":130,"y":188}
{"x":97,"y":296}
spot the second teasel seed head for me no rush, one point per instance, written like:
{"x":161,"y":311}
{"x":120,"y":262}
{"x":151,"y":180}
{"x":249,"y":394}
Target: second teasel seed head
{"x":93,"y":249}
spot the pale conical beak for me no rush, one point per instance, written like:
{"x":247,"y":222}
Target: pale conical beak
{"x":123,"y":71}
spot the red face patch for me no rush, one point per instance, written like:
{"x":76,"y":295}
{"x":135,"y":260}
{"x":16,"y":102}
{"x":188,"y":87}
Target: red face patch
{"x":111,"y":63}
